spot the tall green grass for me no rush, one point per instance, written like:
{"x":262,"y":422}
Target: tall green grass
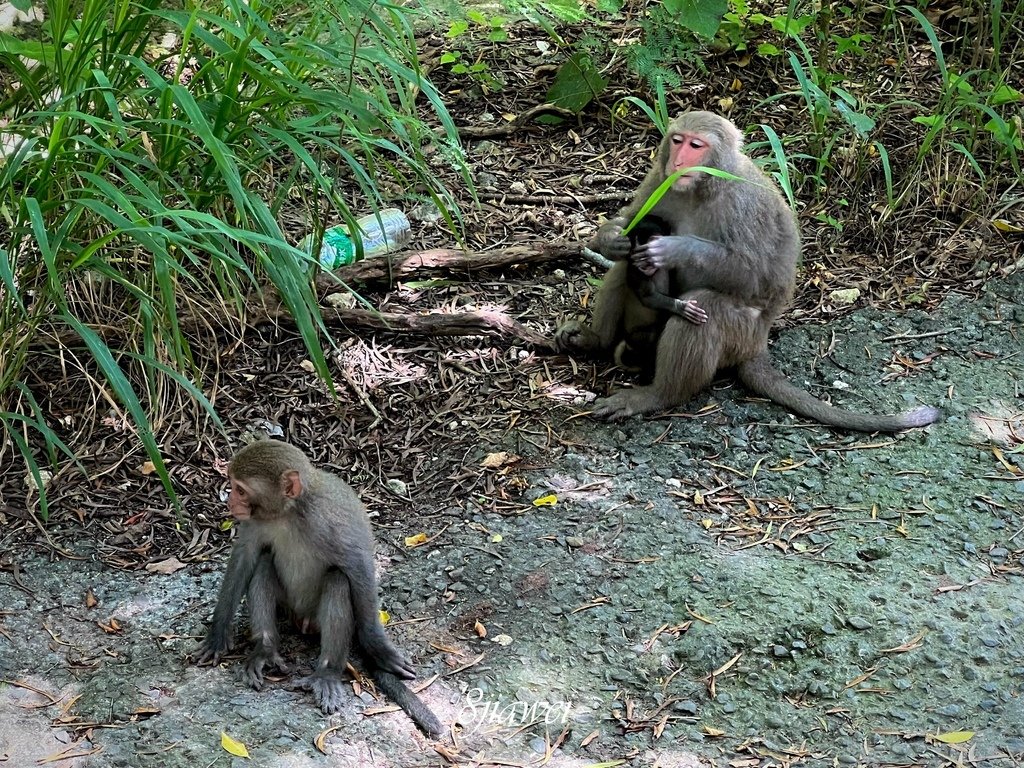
{"x":156,"y":148}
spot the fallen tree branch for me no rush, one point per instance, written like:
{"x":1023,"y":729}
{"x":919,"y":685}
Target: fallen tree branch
{"x":599,"y":197}
{"x":484,"y":132}
{"x":381,"y":272}
{"x":481,"y":323}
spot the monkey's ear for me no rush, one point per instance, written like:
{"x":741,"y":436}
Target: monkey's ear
{"x":291,"y":484}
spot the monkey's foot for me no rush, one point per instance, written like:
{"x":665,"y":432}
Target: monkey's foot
{"x":574,"y":336}
{"x":625,"y":403}
{"x":328,"y":690}
{"x":261,"y":661}
{"x":211,"y":649}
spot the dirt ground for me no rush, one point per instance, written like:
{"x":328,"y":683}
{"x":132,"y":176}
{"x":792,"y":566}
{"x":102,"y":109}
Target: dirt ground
{"x":724,"y":587}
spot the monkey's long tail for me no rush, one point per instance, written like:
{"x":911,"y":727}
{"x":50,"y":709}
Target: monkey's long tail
{"x":413,"y":705}
{"x":761,"y":377}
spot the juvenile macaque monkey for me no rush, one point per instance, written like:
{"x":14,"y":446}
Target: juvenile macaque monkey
{"x":735,"y":246}
{"x":304,"y":543}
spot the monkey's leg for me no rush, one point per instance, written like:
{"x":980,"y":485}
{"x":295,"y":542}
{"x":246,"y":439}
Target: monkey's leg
{"x":264,"y":594}
{"x":600,"y":337}
{"x":336,"y":624}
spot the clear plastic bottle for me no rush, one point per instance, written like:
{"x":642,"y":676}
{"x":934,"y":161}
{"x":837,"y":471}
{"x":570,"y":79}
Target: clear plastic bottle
{"x":390,"y":233}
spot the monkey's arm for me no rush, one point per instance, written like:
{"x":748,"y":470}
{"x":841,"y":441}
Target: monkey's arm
{"x":366,"y":613}
{"x":703,"y":263}
{"x":241,"y":565}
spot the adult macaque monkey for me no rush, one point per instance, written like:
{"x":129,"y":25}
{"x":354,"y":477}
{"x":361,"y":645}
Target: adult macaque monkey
{"x":304,"y":542}
{"x":735,"y":244}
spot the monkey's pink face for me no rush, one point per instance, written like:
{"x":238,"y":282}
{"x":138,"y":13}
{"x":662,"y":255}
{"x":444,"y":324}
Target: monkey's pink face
{"x":240,"y":500}
{"x":687,"y":150}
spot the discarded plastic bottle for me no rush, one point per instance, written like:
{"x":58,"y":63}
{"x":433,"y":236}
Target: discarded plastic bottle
{"x":390,"y":233}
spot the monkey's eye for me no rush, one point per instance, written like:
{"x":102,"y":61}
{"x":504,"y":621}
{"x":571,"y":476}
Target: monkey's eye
{"x":697,"y":144}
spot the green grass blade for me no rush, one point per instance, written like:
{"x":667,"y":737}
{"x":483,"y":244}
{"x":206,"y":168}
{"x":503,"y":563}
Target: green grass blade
{"x":929,"y":30}
{"x":124,"y":393}
{"x":779,"y":153}
{"x":666,"y":185}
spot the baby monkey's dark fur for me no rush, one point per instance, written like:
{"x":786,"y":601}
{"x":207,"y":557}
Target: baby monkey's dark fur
{"x":305,"y":543}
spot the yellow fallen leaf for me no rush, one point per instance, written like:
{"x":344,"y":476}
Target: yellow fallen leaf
{"x":698,"y":498}
{"x":1011,"y":468}
{"x":496,"y":538}
{"x":480,"y":629}
{"x":1004,"y":226}
{"x":226,"y":524}
{"x":320,"y":742}
{"x":709,"y":731}
{"x":147,"y":468}
{"x":955,"y":737}
{"x":307,"y":366}
{"x":415,"y":541}
{"x":236,"y":748}
{"x":546,"y":501}
{"x":385,"y":617}
{"x":707,"y":523}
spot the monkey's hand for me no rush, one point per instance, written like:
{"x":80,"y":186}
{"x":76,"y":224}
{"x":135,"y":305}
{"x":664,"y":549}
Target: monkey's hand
{"x":674,"y":252}
{"x":610,"y":242}
{"x":260,"y":660}
{"x":384,"y":655}
{"x":328,"y":689}
{"x":690,"y":310}
{"x":214,"y":645}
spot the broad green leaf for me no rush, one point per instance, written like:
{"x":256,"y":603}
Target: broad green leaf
{"x":860,"y":122}
{"x":702,"y":17}
{"x":577,"y":83}
{"x":1004,"y":94}
{"x":458,"y":27}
